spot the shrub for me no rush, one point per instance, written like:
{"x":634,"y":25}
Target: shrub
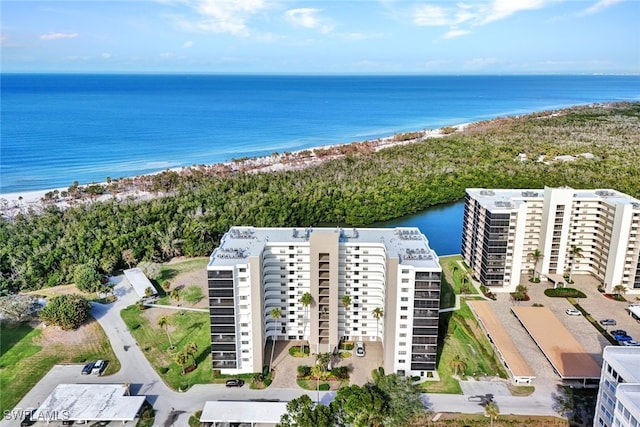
{"x":346,"y":345}
{"x":564,"y":293}
{"x":266,"y":371}
{"x":304,"y":371}
{"x":324,"y":387}
{"x":345,"y":354}
{"x":67,"y":311}
{"x":267,"y":382}
{"x":340,"y":372}
{"x":295,"y":351}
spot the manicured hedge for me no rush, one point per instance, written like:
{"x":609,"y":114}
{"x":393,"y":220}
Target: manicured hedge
{"x":564,"y":293}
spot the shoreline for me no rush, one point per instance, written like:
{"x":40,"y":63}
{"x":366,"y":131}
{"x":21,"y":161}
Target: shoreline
{"x":14,"y":203}
{"x":145,"y":186}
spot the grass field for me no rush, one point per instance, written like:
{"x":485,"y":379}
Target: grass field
{"x":186,"y":327}
{"x":28,"y":353}
{"x":460,"y":335}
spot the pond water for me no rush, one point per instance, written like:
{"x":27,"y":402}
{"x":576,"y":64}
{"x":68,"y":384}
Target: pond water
{"x":441,"y":224}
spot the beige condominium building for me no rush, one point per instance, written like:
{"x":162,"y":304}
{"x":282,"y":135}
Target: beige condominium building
{"x":572,"y":231}
{"x":391,"y":272}
{"x":618,"y":401}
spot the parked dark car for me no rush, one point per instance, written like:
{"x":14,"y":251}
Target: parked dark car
{"x":234,"y":383}
{"x":608,"y":322}
{"x":86,"y":370}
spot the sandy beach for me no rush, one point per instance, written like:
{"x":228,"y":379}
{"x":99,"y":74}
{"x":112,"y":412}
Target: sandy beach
{"x":11,"y":204}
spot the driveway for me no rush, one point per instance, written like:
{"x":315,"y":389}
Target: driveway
{"x":173,"y":408}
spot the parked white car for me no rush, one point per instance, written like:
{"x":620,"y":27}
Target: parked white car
{"x":360,"y":349}
{"x":573,"y":312}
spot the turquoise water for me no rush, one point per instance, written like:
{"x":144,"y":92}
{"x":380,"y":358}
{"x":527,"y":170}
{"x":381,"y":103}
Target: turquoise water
{"x":56,"y":129}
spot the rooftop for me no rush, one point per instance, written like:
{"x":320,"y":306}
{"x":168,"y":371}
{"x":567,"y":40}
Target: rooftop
{"x":625,"y":360}
{"x":406,"y":243}
{"x":243,"y":412}
{"x":90,"y":402}
{"x":509,"y":199}
{"x":139,"y":281}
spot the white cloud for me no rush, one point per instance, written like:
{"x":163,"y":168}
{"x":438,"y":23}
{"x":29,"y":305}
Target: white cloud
{"x":453,"y":33}
{"x":500,"y":9}
{"x":222,"y":16}
{"x":599,"y":6}
{"x":474,"y":14}
{"x":106,"y":55}
{"x":308,"y":18}
{"x":432,"y":16}
{"x":187,"y":44}
{"x":56,"y":36}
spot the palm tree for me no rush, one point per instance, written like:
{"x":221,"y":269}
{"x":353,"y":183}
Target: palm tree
{"x":575,"y":252}
{"x":536,"y":255}
{"x":276,"y":314}
{"x":175,"y":294}
{"x":163,"y":322}
{"x":492,"y":411}
{"x":182,"y":359}
{"x":306,"y":299}
{"x":191,"y":349}
{"x":458,"y":365}
{"x":346,"y":302}
{"x":378,"y":314}
{"x":620,"y":290}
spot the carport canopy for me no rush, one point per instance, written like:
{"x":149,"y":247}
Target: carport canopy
{"x":635,"y":311}
{"x":556,"y":279}
{"x":242,"y":412}
{"x":89,"y":402}
{"x":139,"y":281}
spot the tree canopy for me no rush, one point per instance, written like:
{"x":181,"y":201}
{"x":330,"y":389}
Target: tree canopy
{"x":67,"y":311}
{"x":391,"y":401}
{"x":193,"y":209}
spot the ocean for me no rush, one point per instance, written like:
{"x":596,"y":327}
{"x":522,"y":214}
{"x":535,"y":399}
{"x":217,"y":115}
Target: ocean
{"x":59,"y":128}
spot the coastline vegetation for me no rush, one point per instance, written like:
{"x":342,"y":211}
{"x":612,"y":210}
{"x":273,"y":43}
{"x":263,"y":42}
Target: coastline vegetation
{"x":354,"y":185}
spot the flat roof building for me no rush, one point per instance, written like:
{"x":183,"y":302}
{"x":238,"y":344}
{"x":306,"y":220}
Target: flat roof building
{"x":618,"y":401}
{"x":573,"y":231}
{"x":392,"y":272}
{"x":89,"y":402}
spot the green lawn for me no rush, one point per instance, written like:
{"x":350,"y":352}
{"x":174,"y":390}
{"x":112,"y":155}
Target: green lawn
{"x":460,"y":335}
{"x":188,"y":326}
{"x":23,"y":362}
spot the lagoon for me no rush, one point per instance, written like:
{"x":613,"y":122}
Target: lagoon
{"x":442,"y":224}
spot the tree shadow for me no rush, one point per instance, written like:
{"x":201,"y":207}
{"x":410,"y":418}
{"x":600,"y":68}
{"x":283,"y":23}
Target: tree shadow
{"x":12,"y":335}
{"x":193,"y":327}
{"x":202,"y":356}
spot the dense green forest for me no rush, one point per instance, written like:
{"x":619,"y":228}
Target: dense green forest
{"x":358,"y":188}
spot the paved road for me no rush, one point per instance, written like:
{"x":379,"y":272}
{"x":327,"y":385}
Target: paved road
{"x":173,"y":408}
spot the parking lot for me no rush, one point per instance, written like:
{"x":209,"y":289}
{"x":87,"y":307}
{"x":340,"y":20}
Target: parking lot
{"x":593,"y":342}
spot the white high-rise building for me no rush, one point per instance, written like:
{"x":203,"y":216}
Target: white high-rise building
{"x":391,"y":272}
{"x":618,"y":402}
{"x":573,"y":231}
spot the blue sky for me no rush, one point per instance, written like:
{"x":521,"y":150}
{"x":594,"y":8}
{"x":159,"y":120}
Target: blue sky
{"x":323,"y":36}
